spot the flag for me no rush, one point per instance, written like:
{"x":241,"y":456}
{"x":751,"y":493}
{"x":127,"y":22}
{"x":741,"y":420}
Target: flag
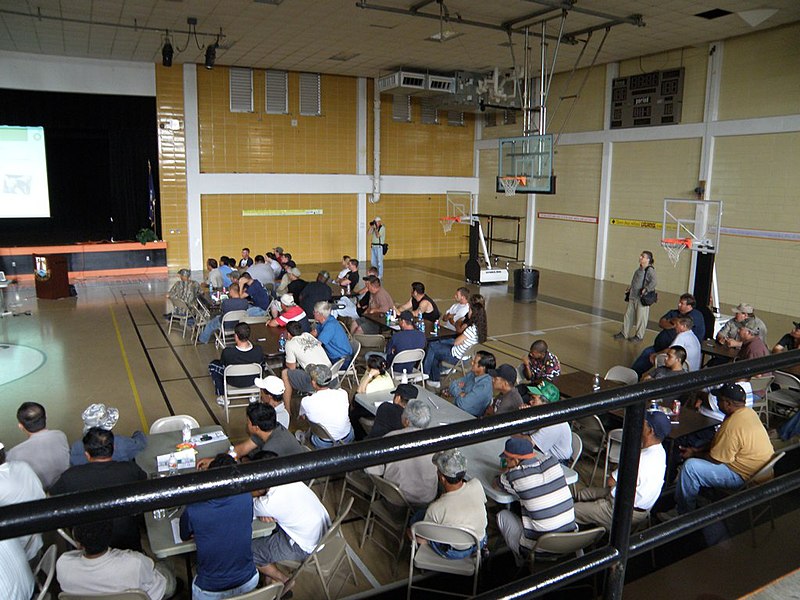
{"x":151,"y":210}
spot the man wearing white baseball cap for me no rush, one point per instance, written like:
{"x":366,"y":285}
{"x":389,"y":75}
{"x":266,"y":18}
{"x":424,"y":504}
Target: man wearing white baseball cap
{"x":377,"y":241}
{"x":272,"y":389}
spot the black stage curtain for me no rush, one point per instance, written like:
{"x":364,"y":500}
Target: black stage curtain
{"x":97,"y":150}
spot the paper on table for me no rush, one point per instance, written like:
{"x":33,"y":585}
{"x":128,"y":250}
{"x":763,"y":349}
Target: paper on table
{"x":176,"y":530}
{"x":208,"y":438}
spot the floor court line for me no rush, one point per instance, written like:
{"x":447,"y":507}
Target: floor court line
{"x":136,"y":399}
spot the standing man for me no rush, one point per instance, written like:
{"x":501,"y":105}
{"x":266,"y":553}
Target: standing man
{"x":634,"y":324}
{"x":377,"y":233}
{"x":45,"y":450}
{"x":544,"y":497}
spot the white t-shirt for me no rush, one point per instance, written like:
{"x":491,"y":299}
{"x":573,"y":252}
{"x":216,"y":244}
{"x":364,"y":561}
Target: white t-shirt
{"x":554,"y":439}
{"x":652,"y":466}
{"x":459,"y":311}
{"x":305,"y":350}
{"x":330,"y":409}
{"x":276,"y":268}
{"x":470,"y":339}
{"x":688,"y":340}
{"x":297,"y":510}
{"x":113,"y":572}
{"x":16,"y":579}
{"x":715,"y":413}
{"x":464,"y":507}
{"x":19,"y":483}
{"x":262,"y":273}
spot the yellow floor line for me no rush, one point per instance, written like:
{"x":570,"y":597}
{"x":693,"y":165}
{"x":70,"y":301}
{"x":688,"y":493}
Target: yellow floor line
{"x":135,"y":391}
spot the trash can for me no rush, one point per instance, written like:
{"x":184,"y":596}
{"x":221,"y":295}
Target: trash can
{"x":526,"y":285}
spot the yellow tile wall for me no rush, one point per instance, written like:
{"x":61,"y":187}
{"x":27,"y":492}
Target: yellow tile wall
{"x":757,"y":178}
{"x":761,"y":74}
{"x":266,"y":143}
{"x":310,"y":238}
{"x":413,"y":229}
{"x":695,"y":61}
{"x":489,"y":201}
{"x":172,"y":167}
{"x":567,"y":246}
{"x":417,"y":149}
{"x":643,"y":174}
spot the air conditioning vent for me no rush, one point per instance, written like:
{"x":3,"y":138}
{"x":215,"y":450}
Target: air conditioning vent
{"x":241,"y":93}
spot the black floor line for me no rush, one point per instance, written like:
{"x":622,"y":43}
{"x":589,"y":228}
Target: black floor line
{"x":181,"y":363}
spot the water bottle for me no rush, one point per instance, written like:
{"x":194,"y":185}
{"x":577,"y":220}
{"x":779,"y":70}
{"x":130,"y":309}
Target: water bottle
{"x":282,"y":344}
{"x":596,"y":382}
{"x":388,"y":317}
{"x":186,"y":432}
{"x":232,"y":452}
{"x":436,"y":328}
{"x":172,"y":464}
{"x":405,"y":376}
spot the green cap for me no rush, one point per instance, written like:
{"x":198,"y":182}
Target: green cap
{"x":546,"y":390}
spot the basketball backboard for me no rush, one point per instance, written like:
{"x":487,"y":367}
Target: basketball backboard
{"x":699,"y":220}
{"x":530,"y":160}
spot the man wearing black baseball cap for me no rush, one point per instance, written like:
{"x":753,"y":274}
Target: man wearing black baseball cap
{"x":739,"y":449}
{"x":596,"y":505}
{"x":388,"y":417}
{"x":504,"y":380}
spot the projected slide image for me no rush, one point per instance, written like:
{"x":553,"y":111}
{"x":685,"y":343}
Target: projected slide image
{"x":23,"y":173}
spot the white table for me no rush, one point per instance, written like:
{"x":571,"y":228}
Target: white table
{"x":483,"y":459}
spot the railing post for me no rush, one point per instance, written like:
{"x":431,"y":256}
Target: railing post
{"x":624,"y":497}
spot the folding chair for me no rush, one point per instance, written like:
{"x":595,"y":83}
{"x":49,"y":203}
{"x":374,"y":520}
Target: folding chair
{"x":44,"y":572}
{"x":416,"y":373}
{"x":349,"y":369}
{"x":271,"y":592}
{"x":593,"y":437}
{"x":328,"y":556}
{"x":449,"y":368}
{"x":760,"y":387}
{"x":180,"y":315}
{"x":173,"y":423}
{"x":232,"y":392}
{"x":622,"y":375}
{"x":360,"y":487}
{"x":390,"y":510}
{"x":577,"y":450}
{"x":224,"y":337}
{"x":423,"y":557}
{"x":126,"y":595}
{"x":201,"y":318}
{"x":784,"y":400}
{"x":336,"y":367}
{"x":613,"y":447}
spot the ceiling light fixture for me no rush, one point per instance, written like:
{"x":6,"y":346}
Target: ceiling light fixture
{"x":167,"y":51}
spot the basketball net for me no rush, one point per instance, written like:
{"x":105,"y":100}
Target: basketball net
{"x":447,"y":223}
{"x":510,"y":184}
{"x":674,"y":247}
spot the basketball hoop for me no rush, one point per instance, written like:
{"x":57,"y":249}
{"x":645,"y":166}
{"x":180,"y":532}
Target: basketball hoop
{"x":674,"y":247}
{"x":447,"y":223}
{"x":510,"y":184}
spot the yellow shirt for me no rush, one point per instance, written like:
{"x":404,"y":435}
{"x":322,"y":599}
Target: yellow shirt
{"x":742,"y":443}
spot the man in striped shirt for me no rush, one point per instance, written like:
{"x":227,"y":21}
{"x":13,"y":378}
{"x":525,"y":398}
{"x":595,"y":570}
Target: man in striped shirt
{"x":545,"y":500}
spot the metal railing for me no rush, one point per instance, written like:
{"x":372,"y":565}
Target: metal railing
{"x":72,"y":509}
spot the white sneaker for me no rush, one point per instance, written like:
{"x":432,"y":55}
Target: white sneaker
{"x":434,"y":384}
{"x":221,"y":400}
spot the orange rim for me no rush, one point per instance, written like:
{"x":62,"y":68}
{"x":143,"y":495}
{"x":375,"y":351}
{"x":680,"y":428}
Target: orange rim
{"x":677,"y":242}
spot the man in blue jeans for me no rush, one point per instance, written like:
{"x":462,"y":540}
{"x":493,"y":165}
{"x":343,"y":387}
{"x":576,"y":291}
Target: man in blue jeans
{"x":739,"y":449}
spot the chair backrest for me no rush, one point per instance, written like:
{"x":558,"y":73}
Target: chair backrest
{"x":238,"y":370}
{"x":659,"y":361}
{"x":569,"y":542}
{"x":765,"y":473}
{"x":254,"y":320}
{"x":622,"y":374}
{"x":319,"y":430}
{"x":126,"y":595}
{"x":371,"y":341}
{"x":336,"y":383}
{"x":234,"y":315}
{"x":761,"y":384}
{"x":44,"y":572}
{"x":415,"y":356}
{"x":346,"y":330}
{"x":390,"y":491}
{"x":786,"y":380}
{"x":577,"y":449}
{"x":444,"y":534}
{"x":272,"y":592}
{"x":591,"y":431}
{"x":173,"y":423}
{"x":355,"y":346}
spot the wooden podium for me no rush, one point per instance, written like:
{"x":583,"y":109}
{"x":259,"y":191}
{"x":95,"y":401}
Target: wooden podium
{"x":51,"y":273}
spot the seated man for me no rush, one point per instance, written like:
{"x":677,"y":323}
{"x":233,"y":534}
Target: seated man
{"x":245,"y":261}
{"x":302,"y":350}
{"x":388,"y":417}
{"x":344,"y":270}
{"x":272,"y":390}
{"x":45,"y":450}
{"x":327,"y":407}
{"x":225,"y":270}
{"x":595,"y":506}
{"x":301,"y":521}
{"x":214,"y":280}
{"x":315,"y":292}
{"x":461,"y":504}
{"x":291,"y":275}
{"x":539,"y":364}
{"x":666,"y":338}
{"x":363,"y":291}
{"x":16,"y":578}
{"x":684,"y":338}
{"x":97,"y":415}
{"x":289,"y":311}
{"x":739,"y":449}
{"x":729,"y":334}
{"x":222,"y":530}
{"x":252,"y":290}
{"x":454,"y":317}
{"x":421,"y":303}
{"x":102,"y":471}
{"x":473,"y":392}
{"x":234,"y":301}
{"x":261,"y":272}
{"x":408,"y":338}
{"x":416,"y":477}
{"x":348,"y":280}
{"x":504,"y":379}
{"x":18,"y":483}
{"x":266,"y":435}
{"x":709,"y":406}
{"x":244,"y":352}
{"x":97,"y":569}
{"x":551,"y":439}
{"x":790,"y":341}
{"x":276,"y":266}
{"x":674,"y":361}
{"x":332,"y":335}
{"x":185,"y":290}
{"x":544,"y":497}
{"x":753,"y":345}
{"x":379,"y":303}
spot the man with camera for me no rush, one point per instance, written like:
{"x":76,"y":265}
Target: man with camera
{"x":378,"y":241}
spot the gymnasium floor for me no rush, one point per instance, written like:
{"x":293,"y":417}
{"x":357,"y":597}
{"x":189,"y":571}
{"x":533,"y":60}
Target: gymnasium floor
{"x":110,"y":345}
